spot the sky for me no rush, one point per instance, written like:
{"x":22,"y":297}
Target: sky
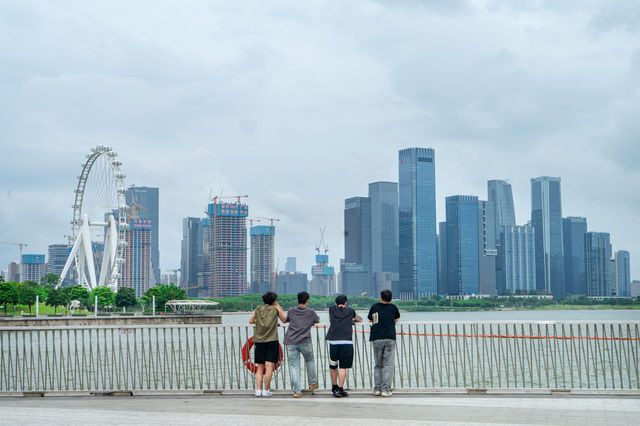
{"x":300,"y":105}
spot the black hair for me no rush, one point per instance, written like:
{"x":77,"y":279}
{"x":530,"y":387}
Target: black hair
{"x":303,"y":296}
{"x":269,"y":297}
{"x":341,"y":299}
{"x":385,"y":295}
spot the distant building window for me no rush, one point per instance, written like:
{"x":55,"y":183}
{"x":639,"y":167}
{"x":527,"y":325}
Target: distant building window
{"x":425,"y":159}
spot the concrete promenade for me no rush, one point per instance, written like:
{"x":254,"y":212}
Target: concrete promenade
{"x":357,"y":409}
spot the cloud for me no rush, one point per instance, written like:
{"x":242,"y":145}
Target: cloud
{"x":301,"y":105}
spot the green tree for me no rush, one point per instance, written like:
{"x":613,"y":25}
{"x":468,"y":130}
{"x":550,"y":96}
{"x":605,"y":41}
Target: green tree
{"x":27,"y":292}
{"x":8,"y":295}
{"x":79,"y":293}
{"x":163,"y":294}
{"x":56,"y":297}
{"x":105,"y":296}
{"x":126,"y":297}
{"x":49,"y":280}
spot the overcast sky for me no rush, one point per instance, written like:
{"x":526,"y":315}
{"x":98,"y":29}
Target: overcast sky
{"x":302,"y":104}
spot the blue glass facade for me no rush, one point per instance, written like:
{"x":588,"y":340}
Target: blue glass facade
{"x":417,"y":223}
{"x":148,"y":198}
{"x":384,"y":226}
{"x":623,"y":273}
{"x":442,"y":258}
{"x":597,"y":257}
{"x":575,"y":274}
{"x":546,"y":217}
{"x":519,"y":249}
{"x":462,"y":244}
{"x":487,"y":251}
{"x":357,"y":230}
{"x":191,"y":259}
{"x":499,"y":192}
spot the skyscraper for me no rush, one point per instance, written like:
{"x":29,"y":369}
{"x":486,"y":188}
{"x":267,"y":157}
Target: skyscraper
{"x":546,"y":218}
{"x":227,"y":249}
{"x":354,"y":269}
{"x":384,"y":226}
{"x":442,"y":258}
{"x":137,"y":270}
{"x":290,"y":265}
{"x":487,"y":251}
{"x":56,"y":258}
{"x":323,"y":277}
{"x":191,"y":251}
{"x":518,"y":243}
{"x":575,"y":274}
{"x":499,"y":192}
{"x":262,"y":258}
{"x":291,"y":283}
{"x":33,"y":268}
{"x":462,"y":244}
{"x":623,"y":273}
{"x":147,"y":198}
{"x":597,"y":257}
{"x":417,"y":223}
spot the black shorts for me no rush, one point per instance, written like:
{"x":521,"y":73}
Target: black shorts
{"x":266,"y":352}
{"x":340,"y":355}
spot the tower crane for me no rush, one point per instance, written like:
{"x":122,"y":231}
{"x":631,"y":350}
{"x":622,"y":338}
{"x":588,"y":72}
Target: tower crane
{"x":16,"y":244}
{"x":322,"y":244}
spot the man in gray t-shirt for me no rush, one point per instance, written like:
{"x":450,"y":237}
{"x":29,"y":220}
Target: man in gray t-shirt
{"x":298,"y":341}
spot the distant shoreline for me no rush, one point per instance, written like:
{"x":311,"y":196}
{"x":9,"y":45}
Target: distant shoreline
{"x":523,"y":309}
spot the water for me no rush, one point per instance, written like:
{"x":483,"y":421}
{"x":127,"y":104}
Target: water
{"x":537,"y":315}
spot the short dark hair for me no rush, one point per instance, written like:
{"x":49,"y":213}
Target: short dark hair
{"x":341,"y":299}
{"x":385,"y":295}
{"x":269,"y":297}
{"x":303,"y":296}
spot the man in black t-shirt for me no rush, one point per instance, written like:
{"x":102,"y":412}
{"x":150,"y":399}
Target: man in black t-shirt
{"x":383,"y":317}
{"x":340,"y":338}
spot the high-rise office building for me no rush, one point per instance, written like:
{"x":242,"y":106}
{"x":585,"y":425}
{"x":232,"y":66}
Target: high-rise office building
{"x":33,"y":268}
{"x":575,"y":273}
{"x":291,"y":283}
{"x":137,"y":270}
{"x":623,"y":273}
{"x":546,"y":218}
{"x":356,"y":279}
{"x":597,"y":257}
{"x":205,"y":280}
{"x":13,"y":272}
{"x":262,"y":258}
{"x":191,"y":255}
{"x":290,"y":265}
{"x":147,"y":200}
{"x":56,"y":258}
{"x":519,"y":250}
{"x":227,"y":249}
{"x":462,"y":244}
{"x":487,"y":251}
{"x":354,"y":269}
{"x":384,"y":226}
{"x":442,"y":258}
{"x":499,"y":192}
{"x":323,"y":277}
{"x":418,"y":259}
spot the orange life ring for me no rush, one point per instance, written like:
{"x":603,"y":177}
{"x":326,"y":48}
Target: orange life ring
{"x":246,"y":351}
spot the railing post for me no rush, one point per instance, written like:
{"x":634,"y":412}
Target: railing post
{"x":95,"y":307}
{"x":153,"y":302}
{"x":37,"y":306}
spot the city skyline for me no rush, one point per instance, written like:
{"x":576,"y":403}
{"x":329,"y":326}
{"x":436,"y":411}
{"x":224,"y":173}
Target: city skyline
{"x":559,"y":99}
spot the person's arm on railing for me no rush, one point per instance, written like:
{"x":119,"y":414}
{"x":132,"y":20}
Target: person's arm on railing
{"x":281,"y":314}
{"x":252,"y":320}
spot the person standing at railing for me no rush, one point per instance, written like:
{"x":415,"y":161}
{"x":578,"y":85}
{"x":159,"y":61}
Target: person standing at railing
{"x":298,"y":341}
{"x":265,"y":337}
{"x":383,"y":317}
{"x":340,"y":337}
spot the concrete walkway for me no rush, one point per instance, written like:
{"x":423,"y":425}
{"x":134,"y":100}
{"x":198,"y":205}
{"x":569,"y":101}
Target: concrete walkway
{"x":323,"y":409}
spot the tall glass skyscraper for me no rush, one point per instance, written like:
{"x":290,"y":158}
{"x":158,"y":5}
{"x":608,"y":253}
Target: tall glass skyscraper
{"x":546,"y":218}
{"x":597,"y":256}
{"x":575,"y":274}
{"x":487,"y":251}
{"x":442,"y":258}
{"x":417,"y":223}
{"x":623,"y":273}
{"x":519,"y":248}
{"x":148,"y":199}
{"x":357,"y":230}
{"x":462,"y":244}
{"x":499,"y":192}
{"x":191,"y":251}
{"x":384,"y":226}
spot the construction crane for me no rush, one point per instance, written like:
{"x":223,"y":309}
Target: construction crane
{"x":322,"y":243}
{"x":271,"y":219}
{"x":16,"y":244}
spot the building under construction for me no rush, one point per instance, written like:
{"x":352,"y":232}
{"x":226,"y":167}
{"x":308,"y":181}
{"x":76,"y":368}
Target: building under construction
{"x":262,"y":255}
{"x":227,"y":249}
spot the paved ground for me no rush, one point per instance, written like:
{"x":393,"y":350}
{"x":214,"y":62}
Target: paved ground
{"x":323,"y":409}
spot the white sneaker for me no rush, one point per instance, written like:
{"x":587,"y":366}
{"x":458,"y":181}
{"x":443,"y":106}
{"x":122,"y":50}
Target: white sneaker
{"x":384,"y":394}
{"x":267,"y":393}
{"x":258,"y":392}
{"x":377,"y":393}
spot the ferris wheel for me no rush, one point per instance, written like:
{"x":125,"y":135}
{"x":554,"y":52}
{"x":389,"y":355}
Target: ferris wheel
{"x":99,"y":210}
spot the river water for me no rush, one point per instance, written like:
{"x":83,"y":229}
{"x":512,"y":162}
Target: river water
{"x":537,"y":315}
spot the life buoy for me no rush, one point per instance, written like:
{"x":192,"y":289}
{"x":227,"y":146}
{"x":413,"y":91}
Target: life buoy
{"x":246,"y":356}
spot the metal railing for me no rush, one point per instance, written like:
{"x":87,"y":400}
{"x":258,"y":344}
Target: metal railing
{"x":501,"y":355}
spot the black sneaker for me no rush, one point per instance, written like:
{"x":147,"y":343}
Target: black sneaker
{"x":343,"y":392}
{"x":336,"y":391}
